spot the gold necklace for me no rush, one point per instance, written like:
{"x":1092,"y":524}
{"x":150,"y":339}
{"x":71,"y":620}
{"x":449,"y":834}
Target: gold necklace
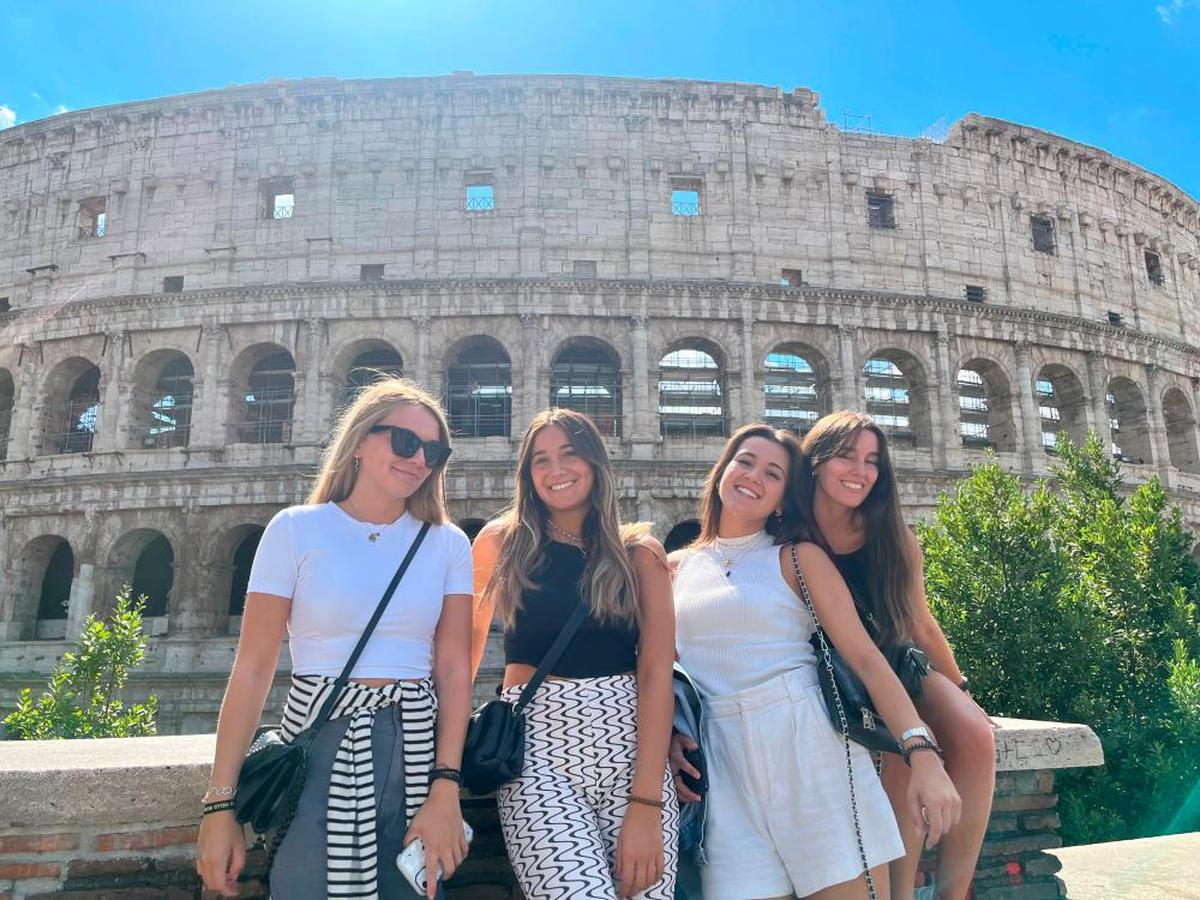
{"x":377,"y":533}
{"x":573,"y":539}
{"x":742,"y":545}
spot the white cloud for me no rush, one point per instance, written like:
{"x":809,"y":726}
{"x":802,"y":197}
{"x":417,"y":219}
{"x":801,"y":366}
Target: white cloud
{"x":35,"y":95}
{"x":1170,"y":10}
{"x":8,"y":116}
{"x":60,"y":109}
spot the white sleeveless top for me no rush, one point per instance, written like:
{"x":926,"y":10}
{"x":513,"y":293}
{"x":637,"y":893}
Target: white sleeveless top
{"x":737,"y":632}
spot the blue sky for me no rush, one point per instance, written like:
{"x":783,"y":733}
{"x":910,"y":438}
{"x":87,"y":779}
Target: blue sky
{"x":1124,"y":76}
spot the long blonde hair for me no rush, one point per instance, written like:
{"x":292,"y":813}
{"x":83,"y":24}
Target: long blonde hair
{"x":374,"y":403}
{"x":608,"y":583}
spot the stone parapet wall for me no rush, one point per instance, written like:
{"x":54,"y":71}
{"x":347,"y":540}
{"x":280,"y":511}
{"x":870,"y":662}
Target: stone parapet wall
{"x":117,"y":819}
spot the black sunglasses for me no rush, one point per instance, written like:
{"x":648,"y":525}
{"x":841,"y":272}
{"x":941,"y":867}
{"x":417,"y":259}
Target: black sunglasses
{"x":406,"y":443}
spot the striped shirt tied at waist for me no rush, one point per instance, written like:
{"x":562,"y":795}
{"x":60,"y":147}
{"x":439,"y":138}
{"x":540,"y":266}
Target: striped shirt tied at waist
{"x":350,"y":844}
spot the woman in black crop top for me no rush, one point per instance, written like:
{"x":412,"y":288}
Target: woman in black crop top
{"x":593,"y":815}
{"x":849,"y":486}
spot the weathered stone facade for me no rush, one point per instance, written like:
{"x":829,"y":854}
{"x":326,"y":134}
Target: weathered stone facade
{"x":192,"y":280}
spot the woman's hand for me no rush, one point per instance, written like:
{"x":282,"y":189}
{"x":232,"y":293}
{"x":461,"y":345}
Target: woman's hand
{"x":933,"y":804}
{"x":439,"y":825}
{"x":679,"y":763}
{"x":640,"y":861}
{"x":221,"y":852}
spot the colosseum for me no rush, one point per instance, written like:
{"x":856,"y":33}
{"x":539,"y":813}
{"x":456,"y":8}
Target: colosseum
{"x":192,"y":286}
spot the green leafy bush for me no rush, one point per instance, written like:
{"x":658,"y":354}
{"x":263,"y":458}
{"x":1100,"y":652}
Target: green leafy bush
{"x":1076,"y":602}
{"x":80,"y":700}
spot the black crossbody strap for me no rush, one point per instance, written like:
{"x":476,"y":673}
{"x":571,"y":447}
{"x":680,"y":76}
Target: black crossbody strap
{"x":552,"y":655}
{"x":344,"y":678}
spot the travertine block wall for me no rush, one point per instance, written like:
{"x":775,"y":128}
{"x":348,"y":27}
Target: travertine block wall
{"x":582,"y":170}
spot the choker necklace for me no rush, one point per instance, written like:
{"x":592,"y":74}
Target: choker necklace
{"x":573,"y":539}
{"x":731,"y":550}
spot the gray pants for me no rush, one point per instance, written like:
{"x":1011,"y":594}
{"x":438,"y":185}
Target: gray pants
{"x":299,"y":869}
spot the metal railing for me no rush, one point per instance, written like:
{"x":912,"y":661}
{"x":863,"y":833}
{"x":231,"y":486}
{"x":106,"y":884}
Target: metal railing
{"x":72,"y":425}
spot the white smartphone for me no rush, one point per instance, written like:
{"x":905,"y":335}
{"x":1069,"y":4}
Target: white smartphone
{"x":411,"y":862}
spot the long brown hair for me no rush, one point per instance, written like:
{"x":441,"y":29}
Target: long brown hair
{"x":889,"y":571}
{"x":779,"y":527}
{"x":608,"y":583}
{"x":338,"y":474}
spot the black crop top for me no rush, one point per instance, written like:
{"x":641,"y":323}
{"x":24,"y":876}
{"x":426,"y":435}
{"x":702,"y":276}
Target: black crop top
{"x":598,"y":649}
{"x":853,"y":568}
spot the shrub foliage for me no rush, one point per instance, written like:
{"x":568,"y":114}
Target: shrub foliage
{"x":1077,"y":602}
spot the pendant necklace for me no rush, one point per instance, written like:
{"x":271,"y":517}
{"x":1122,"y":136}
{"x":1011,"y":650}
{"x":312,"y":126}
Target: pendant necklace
{"x":573,"y":539}
{"x":731,"y":550}
{"x":376,"y":530}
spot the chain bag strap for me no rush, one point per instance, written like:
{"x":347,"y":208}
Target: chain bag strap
{"x":827,"y":660}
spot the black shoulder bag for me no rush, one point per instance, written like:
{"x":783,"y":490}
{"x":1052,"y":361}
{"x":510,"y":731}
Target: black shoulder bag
{"x":494,"y":751}
{"x":273,"y":772}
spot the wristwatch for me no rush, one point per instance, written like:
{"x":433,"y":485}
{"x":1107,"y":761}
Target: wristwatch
{"x":917,"y":731}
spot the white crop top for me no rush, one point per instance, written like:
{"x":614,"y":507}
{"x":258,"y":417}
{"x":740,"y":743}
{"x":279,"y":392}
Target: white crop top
{"x":321,"y":558}
{"x":738,"y":632}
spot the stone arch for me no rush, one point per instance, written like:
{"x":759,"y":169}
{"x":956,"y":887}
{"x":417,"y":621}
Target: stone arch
{"x":1128,"y":420}
{"x":1181,"y":431}
{"x":796,"y":386}
{"x":240,"y":544}
{"x":692,"y":391}
{"x":7,"y":395}
{"x":42,"y":580}
{"x":262,"y":395}
{"x":897,"y":397}
{"x":478,"y":388}
{"x":363,"y":362}
{"x":163,"y":388}
{"x":471,"y":527}
{"x":681,"y":535}
{"x":144,"y":559}
{"x":985,"y":406}
{"x":1061,"y":403}
{"x":585,"y":375}
{"x":71,"y":411}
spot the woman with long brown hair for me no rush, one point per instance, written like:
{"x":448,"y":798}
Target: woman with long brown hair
{"x":592,"y":816}
{"x":793,"y":808}
{"x":383,"y":769}
{"x":850,"y":492}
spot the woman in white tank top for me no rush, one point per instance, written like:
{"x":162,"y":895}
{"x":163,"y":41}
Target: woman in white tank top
{"x":780,"y":821}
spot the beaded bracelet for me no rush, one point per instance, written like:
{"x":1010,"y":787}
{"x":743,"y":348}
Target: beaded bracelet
{"x":447,"y":773}
{"x":918,"y":744}
{"x":219,"y":806}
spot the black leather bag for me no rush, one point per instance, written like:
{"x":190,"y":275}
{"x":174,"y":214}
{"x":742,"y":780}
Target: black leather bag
{"x":494,"y":751}
{"x":273,"y":772}
{"x":846,"y":698}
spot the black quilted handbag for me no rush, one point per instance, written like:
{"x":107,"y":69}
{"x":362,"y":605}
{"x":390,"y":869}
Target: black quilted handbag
{"x":494,"y":752}
{"x":273,"y":772}
{"x":846,"y":698}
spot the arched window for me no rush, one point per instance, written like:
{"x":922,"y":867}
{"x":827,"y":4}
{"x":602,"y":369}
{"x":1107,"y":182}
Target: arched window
{"x":370,"y":366}
{"x":793,"y":400}
{"x":243,"y":559}
{"x":985,"y":406}
{"x":73,"y":422}
{"x":691,"y":395}
{"x":1060,"y":400}
{"x":6,"y":407}
{"x":153,"y":575}
{"x":1127,"y":418}
{"x":586,"y":377}
{"x":682,"y":535}
{"x":267,"y":401}
{"x":1181,"y":431}
{"x":170,"y":406}
{"x":889,"y":400}
{"x":973,"y":409}
{"x":479,"y":390}
{"x":471,"y":527}
{"x":55,"y":597}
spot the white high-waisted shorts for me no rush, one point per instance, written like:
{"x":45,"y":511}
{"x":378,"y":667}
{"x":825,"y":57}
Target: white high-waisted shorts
{"x":779,"y":816}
